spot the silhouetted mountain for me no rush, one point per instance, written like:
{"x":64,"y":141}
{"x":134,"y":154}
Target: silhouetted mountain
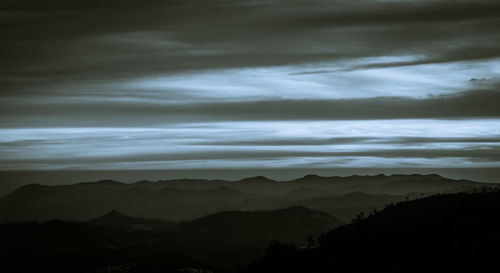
{"x":292,"y":224}
{"x":184,"y":199}
{"x":312,"y":178}
{"x":224,"y":241}
{"x":116,"y":220}
{"x":257,"y":179}
{"x":230,"y":240}
{"x":441,"y":233}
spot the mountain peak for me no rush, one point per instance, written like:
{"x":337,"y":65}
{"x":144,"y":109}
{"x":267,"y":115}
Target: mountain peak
{"x":108,"y":181}
{"x":113,"y":213}
{"x":433,"y":176}
{"x":31,"y":187}
{"x":115,"y":219}
{"x":259,"y":178}
{"x":309,"y":177}
{"x":297,"y":208}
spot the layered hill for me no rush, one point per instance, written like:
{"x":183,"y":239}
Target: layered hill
{"x":179,"y":200}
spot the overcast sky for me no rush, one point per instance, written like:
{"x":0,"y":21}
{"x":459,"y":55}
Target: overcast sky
{"x":233,"y":84}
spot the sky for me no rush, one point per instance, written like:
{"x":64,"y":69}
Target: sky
{"x":232,"y":84}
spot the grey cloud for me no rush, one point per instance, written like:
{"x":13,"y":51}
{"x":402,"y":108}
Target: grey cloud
{"x":54,"y":50}
{"x":491,"y":155}
{"x":287,"y":141}
{"x":482,"y":103}
{"x":404,"y":12}
{"x":256,"y":142}
{"x":347,"y":140}
{"x":62,"y":41}
{"x":460,"y":54}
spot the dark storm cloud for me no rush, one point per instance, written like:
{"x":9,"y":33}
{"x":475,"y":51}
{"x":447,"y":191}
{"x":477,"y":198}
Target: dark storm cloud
{"x":482,"y":103}
{"x":51,"y":42}
{"x":394,"y":12}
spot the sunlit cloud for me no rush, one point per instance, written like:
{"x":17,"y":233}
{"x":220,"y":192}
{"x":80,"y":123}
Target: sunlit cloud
{"x":345,"y":81}
{"x":471,"y":142}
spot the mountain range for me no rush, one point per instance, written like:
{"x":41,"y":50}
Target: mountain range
{"x":185,"y":199}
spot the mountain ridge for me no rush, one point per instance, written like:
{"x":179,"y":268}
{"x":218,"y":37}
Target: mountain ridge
{"x":184,"y":199}
{"x":306,"y":178}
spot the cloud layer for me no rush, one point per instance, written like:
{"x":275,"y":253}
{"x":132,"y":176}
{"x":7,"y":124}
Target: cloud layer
{"x":242,"y":84}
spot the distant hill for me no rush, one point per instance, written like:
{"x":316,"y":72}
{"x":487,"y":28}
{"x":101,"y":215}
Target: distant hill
{"x":441,"y":233}
{"x":184,"y":199}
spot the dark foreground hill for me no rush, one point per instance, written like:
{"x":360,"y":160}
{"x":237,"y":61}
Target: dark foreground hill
{"x":185,"y":199}
{"x":441,"y":233}
{"x":222,"y":242}
{"x":292,"y":225}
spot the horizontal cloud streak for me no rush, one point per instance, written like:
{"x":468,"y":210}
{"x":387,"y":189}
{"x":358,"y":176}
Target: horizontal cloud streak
{"x":475,"y":143}
{"x":462,"y":105}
